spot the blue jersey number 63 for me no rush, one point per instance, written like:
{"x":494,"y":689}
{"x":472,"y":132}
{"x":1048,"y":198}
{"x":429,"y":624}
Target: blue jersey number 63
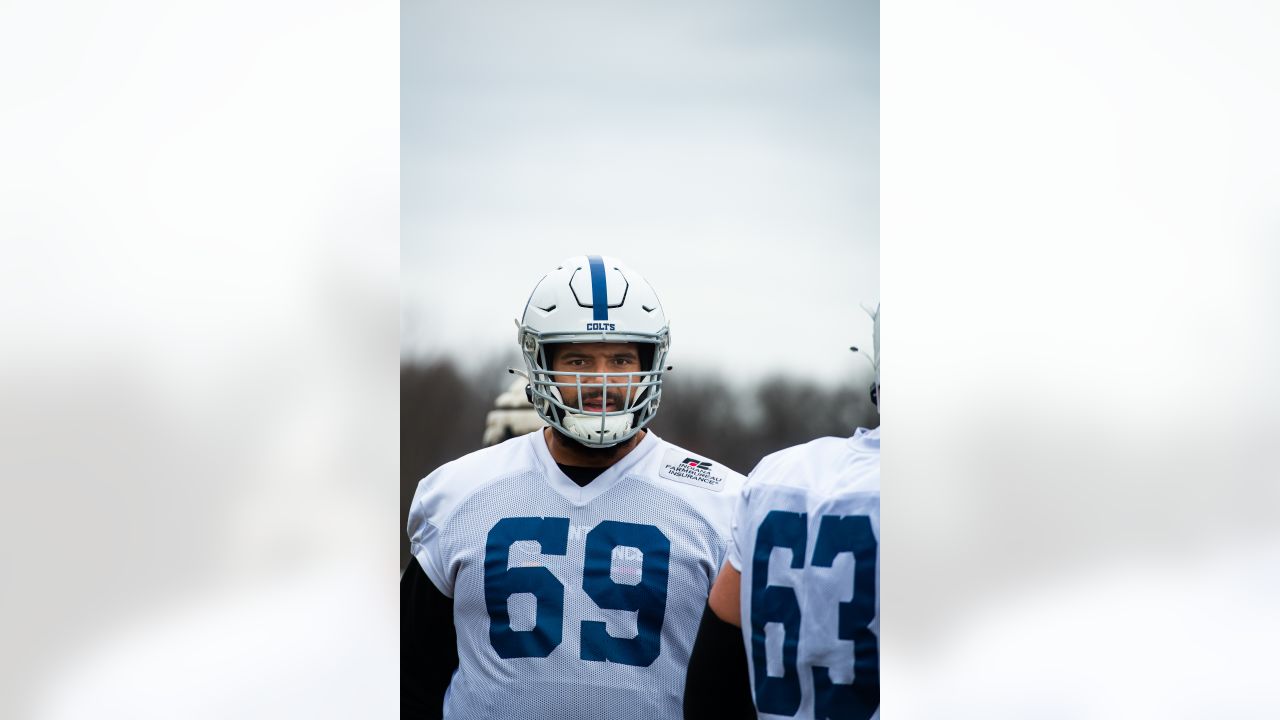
{"x":778,"y":604}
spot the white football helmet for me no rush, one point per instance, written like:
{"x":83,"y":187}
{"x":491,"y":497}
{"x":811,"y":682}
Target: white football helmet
{"x":512,"y":415}
{"x":875,"y":361}
{"x":591,"y":299}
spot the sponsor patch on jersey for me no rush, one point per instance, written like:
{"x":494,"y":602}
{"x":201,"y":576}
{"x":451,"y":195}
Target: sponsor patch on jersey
{"x":691,"y":470}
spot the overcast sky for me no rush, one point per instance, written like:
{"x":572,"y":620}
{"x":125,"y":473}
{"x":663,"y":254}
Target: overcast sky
{"x":727,"y":150}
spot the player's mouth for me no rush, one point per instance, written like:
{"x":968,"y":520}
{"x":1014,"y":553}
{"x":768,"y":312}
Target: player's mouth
{"x":597,"y":404}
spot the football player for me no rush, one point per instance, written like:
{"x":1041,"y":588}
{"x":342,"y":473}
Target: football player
{"x":802,"y":581}
{"x":512,"y":415}
{"x":563,"y":573}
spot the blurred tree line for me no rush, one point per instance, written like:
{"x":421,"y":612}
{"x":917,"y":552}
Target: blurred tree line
{"x":443,"y":409}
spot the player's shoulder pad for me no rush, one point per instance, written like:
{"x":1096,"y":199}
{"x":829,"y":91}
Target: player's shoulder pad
{"x":782,"y":461}
{"x":690,"y":468}
{"x":445,"y":488}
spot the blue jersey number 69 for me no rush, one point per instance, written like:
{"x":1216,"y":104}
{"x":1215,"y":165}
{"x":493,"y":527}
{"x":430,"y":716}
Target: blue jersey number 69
{"x":647,"y":598}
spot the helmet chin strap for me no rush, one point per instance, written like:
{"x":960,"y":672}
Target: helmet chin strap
{"x":586,"y":428}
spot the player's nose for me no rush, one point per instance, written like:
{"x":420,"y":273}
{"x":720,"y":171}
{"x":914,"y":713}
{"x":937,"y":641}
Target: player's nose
{"x":594,"y":373}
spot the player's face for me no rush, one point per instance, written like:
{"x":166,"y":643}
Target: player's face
{"x":592,"y":358}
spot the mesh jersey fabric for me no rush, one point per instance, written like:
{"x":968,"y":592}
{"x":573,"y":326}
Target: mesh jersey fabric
{"x":822,"y":499}
{"x":571,"y":602}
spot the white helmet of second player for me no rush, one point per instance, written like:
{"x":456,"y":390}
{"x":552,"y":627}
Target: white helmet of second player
{"x":592,"y":299}
{"x":875,"y":361}
{"x":875,"y":358}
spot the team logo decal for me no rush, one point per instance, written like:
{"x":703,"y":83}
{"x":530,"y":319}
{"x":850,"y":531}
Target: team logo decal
{"x":601,"y":326}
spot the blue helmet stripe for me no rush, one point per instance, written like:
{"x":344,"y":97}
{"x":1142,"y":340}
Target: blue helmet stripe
{"x":599,"y":292}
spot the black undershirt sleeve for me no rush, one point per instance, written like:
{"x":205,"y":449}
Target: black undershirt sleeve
{"x":428,"y":645}
{"x":717,"y":685}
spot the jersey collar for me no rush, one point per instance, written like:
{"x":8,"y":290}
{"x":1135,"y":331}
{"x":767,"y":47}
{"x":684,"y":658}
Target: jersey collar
{"x":865,"y":441}
{"x":578,"y":495}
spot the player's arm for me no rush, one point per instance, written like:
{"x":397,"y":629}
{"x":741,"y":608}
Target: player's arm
{"x":717,"y":685}
{"x":428,"y":644}
{"x":726,"y":598}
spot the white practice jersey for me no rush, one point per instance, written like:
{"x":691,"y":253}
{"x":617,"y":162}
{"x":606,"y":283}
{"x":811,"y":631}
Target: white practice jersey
{"x":806,"y":538}
{"x":573,"y":602}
